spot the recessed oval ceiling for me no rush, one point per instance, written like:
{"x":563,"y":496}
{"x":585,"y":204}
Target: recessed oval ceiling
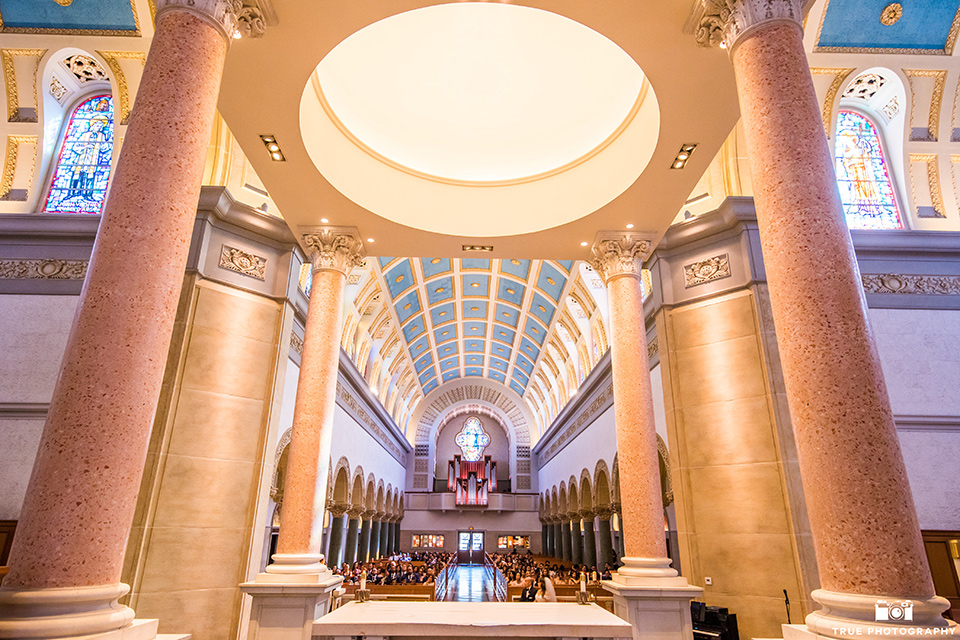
{"x":479,"y":119}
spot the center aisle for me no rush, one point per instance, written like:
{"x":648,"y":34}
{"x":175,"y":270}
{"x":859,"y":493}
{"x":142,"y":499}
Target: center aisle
{"x":470,"y":584}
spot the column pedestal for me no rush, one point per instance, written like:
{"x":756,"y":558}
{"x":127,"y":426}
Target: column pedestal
{"x":285,"y":606}
{"x":656,"y":612}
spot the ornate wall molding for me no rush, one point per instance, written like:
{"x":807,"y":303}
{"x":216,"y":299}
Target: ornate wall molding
{"x":839,"y":74}
{"x":933,"y":179}
{"x":911,"y":284}
{"x":10,"y":80}
{"x":356,"y":409}
{"x":598,"y":404}
{"x":707,"y":270}
{"x":243,"y":262}
{"x":51,"y":269}
{"x":936,"y":101}
{"x":620,"y":254}
{"x":10,"y":167}
{"x":112,"y":59}
{"x":653,"y":347}
{"x":296,"y":343}
{"x":334,"y":248}
{"x":723,"y":23}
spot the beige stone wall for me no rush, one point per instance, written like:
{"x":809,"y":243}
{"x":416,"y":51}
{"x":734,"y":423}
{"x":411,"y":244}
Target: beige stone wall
{"x":739,"y":506}
{"x":197,"y":527}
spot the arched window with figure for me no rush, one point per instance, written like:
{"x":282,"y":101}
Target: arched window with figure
{"x":866,"y":188}
{"x":82,"y":172}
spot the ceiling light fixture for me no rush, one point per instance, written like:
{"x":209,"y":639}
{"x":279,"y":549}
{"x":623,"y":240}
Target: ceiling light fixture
{"x":273,"y":148}
{"x":686,"y":150}
{"x":630,"y":226}
{"x":583,"y":244}
{"x":369,"y":239}
{"x":478,"y":247}
{"x":324,"y":220}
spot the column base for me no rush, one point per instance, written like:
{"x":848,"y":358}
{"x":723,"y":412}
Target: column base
{"x":75,"y":613}
{"x":285,"y":605}
{"x":286,"y":567}
{"x":846,"y":615}
{"x":652,"y":597}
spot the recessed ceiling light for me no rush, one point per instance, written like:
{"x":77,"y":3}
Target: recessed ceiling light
{"x":324,"y":220}
{"x":273,"y":148}
{"x":630,"y":226}
{"x":369,"y":239}
{"x":474,"y":284}
{"x":583,"y":244}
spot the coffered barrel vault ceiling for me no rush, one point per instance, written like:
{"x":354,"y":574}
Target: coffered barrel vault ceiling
{"x":475,"y":317}
{"x":914,"y":25}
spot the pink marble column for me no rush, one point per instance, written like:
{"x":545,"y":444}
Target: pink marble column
{"x":333,"y":252}
{"x":69,"y":548}
{"x":618,"y":259}
{"x":861,"y":511}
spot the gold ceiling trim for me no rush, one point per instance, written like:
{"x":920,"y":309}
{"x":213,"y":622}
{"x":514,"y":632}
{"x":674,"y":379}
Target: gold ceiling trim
{"x":112,"y":58}
{"x":946,"y":51}
{"x":936,"y":98}
{"x":627,"y":121}
{"x":135,"y":33}
{"x":840,"y":75}
{"x":933,"y":178}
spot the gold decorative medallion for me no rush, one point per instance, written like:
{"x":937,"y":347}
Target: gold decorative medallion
{"x":891,"y":13}
{"x":64,"y":3}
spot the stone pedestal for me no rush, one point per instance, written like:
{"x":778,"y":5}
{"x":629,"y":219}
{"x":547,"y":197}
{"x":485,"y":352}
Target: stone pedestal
{"x":655,"y":612}
{"x":285,"y":607}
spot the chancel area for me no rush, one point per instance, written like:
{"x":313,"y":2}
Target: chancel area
{"x":479,"y":319}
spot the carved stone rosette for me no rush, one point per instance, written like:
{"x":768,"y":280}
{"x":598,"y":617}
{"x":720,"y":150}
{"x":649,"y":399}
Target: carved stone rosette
{"x":725,"y":22}
{"x":335,"y":249}
{"x":222,"y":14}
{"x":621,"y":254}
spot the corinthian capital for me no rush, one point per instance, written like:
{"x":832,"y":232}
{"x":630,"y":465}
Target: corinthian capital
{"x":222,"y":14}
{"x":723,"y":23}
{"x":619,"y":254}
{"x":333,"y":248}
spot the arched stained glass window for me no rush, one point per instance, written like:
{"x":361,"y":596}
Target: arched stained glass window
{"x":82,"y":173}
{"x":866,"y":189}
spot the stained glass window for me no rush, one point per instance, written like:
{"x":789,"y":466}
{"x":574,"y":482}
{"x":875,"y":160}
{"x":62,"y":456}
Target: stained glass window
{"x":306,"y":278}
{"x":82,"y":174}
{"x":472,"y":440}
{"x":866,"y":189}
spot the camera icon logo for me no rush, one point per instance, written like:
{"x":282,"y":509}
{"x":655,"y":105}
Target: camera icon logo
{"x":893,"y":611}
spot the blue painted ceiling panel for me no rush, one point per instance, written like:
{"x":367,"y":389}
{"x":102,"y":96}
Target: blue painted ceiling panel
{"x":504,"y":333}
{"x":475,"y":309}
{"x":86,"y":15}
{"x":535,"y":330}
{"x":399,"y":278}
{"x":855,"y":24}
{"x":445,"y":334}
{"x":408,"y":306}
{"x":442,"y":314}
{"x":439,"y":290}
{"x":517,"y":268}
{"x":435,"y":266}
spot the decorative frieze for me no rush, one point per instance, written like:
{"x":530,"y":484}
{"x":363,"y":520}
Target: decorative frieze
{"x":51,"y":269}
{"x":355,"y":407}
{"x":296,"y":343}
{"x":911,"y":284}
{"x":653,"y":348}
{"x":707,"y":270}
{"x":248,"y":264}
{"x":587,"y":415}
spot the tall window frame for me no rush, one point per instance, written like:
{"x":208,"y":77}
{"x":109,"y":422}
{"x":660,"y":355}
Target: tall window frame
{"x":867,"y":184}
{"x":80,"y":176}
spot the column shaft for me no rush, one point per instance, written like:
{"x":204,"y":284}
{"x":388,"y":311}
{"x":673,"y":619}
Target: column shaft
{"x":384,"y":538}
{"x":589,"y":543}
{"x":79,"y":505}
{"x":396,"y":537}
{"x":642,"y":525}
{"x":855,"y":482}
{"x":565,"y":532}
{"x":576,"y":542}
{"x":363,"y":545}
{"x":350,"y":546}
{"x":557,"y":540}
{"x":605,"y":536}
{"x":375,"y":539}
{"x":302,"y":518}
{"x":335,"y":553}
{"x":544,"y":537}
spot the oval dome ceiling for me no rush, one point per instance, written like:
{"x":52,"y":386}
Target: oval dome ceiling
{"x":479,"y":119}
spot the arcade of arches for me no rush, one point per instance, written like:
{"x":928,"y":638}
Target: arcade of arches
{"x":674,"y":290}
